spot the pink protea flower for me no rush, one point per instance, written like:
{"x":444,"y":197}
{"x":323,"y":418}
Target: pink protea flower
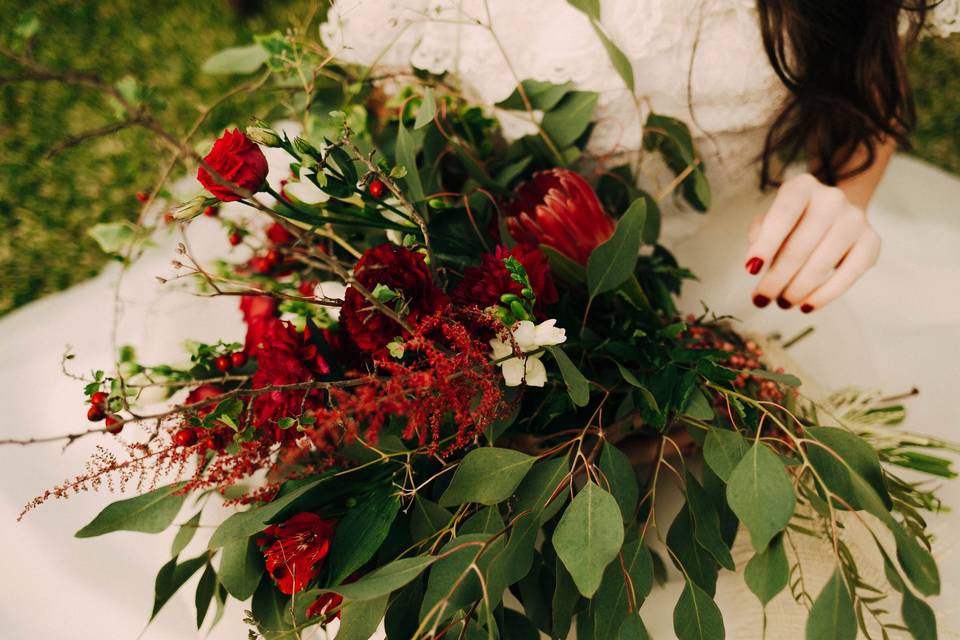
{"x":558,"y":208}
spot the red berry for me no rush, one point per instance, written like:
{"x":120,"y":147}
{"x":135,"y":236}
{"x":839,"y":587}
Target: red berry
{"x":273,"y":257}
{"x":235,"y":238}
{"x":143,"y":196}
{"x":95,"y":414}
{"x":261,"y":265}
{"x":376,"y":188}
{"x":98,"y":398}
{"x":222,"y":363}
{"x":238,"y":359}
{"x":214,"y":442}
{"x":113,"y":425}
{"x":211,"y":211}
{"x":185,"y":437}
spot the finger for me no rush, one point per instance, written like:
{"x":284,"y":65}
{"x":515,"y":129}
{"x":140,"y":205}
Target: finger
{"x":753,"y":232}
{"x":862,"y":256}
{"x":786,"y":210}
{"x":825,"y":258}
{"x":824,"y":209}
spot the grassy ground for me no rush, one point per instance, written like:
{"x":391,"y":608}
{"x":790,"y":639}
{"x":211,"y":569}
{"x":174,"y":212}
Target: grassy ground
{"x":47,"y":205}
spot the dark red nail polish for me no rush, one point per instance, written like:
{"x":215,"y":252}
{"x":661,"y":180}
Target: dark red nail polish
{"x":783,"y":303}
{"x":761,"y":300}
{"x":807,"y":308}
{"x":754,"y":265}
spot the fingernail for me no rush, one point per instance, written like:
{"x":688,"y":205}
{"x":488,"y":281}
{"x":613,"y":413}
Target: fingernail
{"x":754,"y":265}
{"x":807,"y":308}
{"x":783,"y":303}
{"x":761,"y":300}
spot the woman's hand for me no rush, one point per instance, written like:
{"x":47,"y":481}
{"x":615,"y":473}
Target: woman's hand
{"x":814,"y":243}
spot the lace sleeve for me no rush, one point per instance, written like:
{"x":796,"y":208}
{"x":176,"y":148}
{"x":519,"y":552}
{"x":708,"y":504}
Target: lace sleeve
{"x":945,"y":18}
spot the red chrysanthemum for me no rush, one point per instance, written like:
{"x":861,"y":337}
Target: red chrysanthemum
{"x":294,"y":557}
{"x":406,"y":273}
{"x":483,"y":285}
{"x":237,"y":159}
{"x":558,"y":208}
{"x":286,"y":357}
{"x":258,"y":314}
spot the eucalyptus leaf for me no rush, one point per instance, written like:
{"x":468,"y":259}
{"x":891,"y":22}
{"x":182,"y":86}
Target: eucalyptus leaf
{"x":204,"y":593}
{"x":185,"y":534}
{"x":570,"y":118}
{"x":853,"y":452}
{"x":622,"y":479}
{"x":171,"y":577}
{"x":386,"y":579}
{"x":578,"y":387}
{"x":918,"y":617}
{"x":760,"y":492}
{"x":697,"y":617}
{"x":428,"y":108}
{"x":241,"y":567}
{"x":614,"y":261}
{"x":487,"y":475}
{"x":588,"y":536}
{"x":359,"y":619}
{"x":540,"y":484}
{"x":148,"y":513}
{"x":832,"y":614}
{"x":360,"y":533}
{"x":406,"y":154}
{"x":543,"y":96}
{"x":707,"y":523}
{"x":723,"y":450}
{"x":768,"y":571}
{"x":240,"y":60}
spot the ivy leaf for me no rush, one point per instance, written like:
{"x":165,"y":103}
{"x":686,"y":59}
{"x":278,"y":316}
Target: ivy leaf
{"x":360,"y":533}
{"x":588,"y":536}
{"x":697,"y":617}
{"x":236,"y":60}
{"x":614,"y":261}
{"x":768,"y":571}
{"x":149,"y":513}
{"x":386,"y":579}
{"x":760,"y":492}
{"x":619,"y":473}
{"x":487,"y":475}
{"x":723,"y":450}
{"x":241,"y":567}
{"x":832,"y":613}
{"x":578,"y":387}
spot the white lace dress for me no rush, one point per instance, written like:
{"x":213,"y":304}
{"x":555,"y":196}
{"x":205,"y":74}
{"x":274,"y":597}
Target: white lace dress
{"x":698,"y":60}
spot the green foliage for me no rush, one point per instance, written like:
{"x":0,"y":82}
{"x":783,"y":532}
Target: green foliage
{"x":832,"y":613}
{"x":761,"y":494}
{"x":588,"y":536}
{"x":696,"y":616}
{"x":768,"y":571}
{"x":487,"y":475}
{"x":148,"y":513}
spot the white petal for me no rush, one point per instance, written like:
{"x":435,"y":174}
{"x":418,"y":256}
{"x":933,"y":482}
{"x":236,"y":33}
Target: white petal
{"x":525,"y":334}
{"x":536,"y":373}
{"x":500,"y":348}
{"x":547,"y":334}
{"x":513,"y":371}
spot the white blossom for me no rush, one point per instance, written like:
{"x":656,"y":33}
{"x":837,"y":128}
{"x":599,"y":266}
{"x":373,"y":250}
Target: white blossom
{"x":526,"y":369}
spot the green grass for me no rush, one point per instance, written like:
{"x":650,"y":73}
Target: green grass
{"x":46,"y":206}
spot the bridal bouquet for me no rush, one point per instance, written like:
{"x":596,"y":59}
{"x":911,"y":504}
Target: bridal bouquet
{"x":464,"y":383}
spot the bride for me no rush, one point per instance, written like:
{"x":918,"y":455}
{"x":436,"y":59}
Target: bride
{"x":764,"y":85}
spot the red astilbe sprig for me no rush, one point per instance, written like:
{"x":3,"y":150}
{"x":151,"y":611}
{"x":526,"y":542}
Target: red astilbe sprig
{"x":445,"y":377}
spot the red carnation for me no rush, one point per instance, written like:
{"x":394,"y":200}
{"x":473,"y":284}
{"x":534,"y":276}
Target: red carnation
{"x":286,"y":357}
{"x":294,"y":557}
{"x":237,"y":159}
{"x":558,"y":208}
{"x":403,"y":271}
{"x":257,"y":312}
{"x":483,"y":285}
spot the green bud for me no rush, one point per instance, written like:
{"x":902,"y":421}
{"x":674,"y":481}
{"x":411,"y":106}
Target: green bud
{"x":509,"y":298}
{"x":528,"y":294}
{"x":304,"y":148}
{"x":191,"y":208}
{"x":517,"y":309}
{"x":263,"y":135}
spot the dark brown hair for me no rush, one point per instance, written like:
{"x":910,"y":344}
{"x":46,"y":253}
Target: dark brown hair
{"x":844,"y":64}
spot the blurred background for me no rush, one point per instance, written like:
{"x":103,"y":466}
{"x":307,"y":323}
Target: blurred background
{"x":47,"y":205}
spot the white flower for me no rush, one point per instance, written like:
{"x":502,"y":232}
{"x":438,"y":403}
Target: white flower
{"x":305,"y":190}
{"x":529,"y":337}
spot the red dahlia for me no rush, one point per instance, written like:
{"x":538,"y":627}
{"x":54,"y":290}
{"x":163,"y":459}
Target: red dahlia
{"x":483,"y":285}
{"x":296,"y":552}
{"x":236,"y":159}
{"x":558,"y":208}
{"x":403,"y":271}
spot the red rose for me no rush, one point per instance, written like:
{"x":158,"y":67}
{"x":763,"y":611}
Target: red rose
{"x":237,"y":160}
{"x":257,"y":312}
{"x":294,"y":557}
{"x":403,"y":271}
{"x":483,"y":285}
{"x":558,"y":208}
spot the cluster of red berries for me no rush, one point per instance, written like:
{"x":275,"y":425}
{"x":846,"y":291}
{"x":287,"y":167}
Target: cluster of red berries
{"x":267,"y":262}
{"x":189,"y":436}
{"x":100,"y":411}
{"x":234,"y":360}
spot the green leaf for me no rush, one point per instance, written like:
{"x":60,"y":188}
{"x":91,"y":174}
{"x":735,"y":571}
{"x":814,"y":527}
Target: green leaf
{"x":768,"y":571}
{"x":619,"y":60}
{"x":269,"y":608}
{"x":541,"y":483}
{"x":427,"y":518}
{"x":832,"y":613}
{"x":185,"y":535}
{"x":853,"y":452}
{"x":149,"y":513}
{"x":611,"y":604}
{"x":723,"y":450}
{"x":619,"y":473}
{"x":760,"y":492}
{"x":589,"y":7}
{"x":578,"y":387}
{"x":613,"y":262}
{"x":707,"y":523}
{"x":359,"y":619}
{"x":386,"y":579}
{"x":543,"y":96}
{"x":697,"y":563}
{"x":588,"y":536}
{"x":570,"y":118}
{"x":918,"y":617}
{"x":241,"y":567}
{"x":236,"y":60}
{"x":564,"y":268}
{"x":360,"y":533}
{"x":452,"y":583}
{"x":204,"y":594}
{"x":247,"y":523}
{"x":171,"y":577}
{"x":487,"y":475}
{"x":114,"y":237}
{"x":428,"y":109}
{"x":517,"y":626}
{"x":697,"y":406}
{"x":783,"y":378}
{"x":407,"y":156}
{"x":563,"y":602}
{"x":697,"y":617}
